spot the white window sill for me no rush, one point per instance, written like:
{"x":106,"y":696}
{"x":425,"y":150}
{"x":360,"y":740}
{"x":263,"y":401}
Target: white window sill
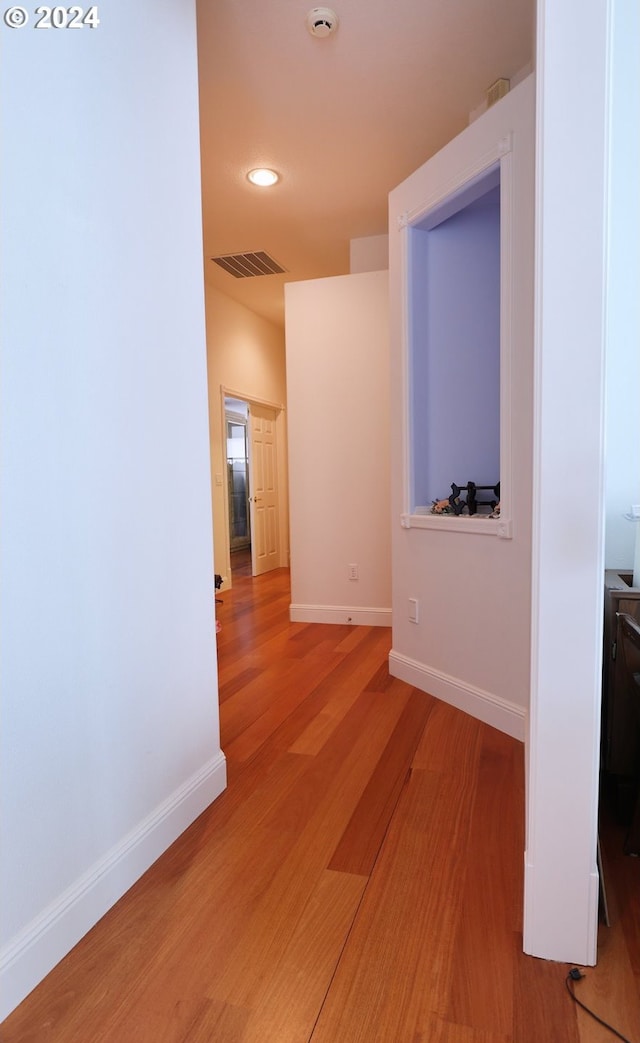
{"x":479,"y":524}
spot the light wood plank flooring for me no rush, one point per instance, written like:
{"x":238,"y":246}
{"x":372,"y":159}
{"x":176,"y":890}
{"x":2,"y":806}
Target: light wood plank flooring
{"x":360,"y":881}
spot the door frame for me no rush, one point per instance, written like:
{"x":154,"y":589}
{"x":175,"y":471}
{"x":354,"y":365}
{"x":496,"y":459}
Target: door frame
{"x":241,"y":421}
{"x":281,"y":474}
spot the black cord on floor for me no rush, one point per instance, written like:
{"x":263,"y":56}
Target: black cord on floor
{"x":575,"y":975}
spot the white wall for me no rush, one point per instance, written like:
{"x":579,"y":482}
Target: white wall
{"x":110,"y":738}
{"x":369,"y":254}
{"x":471,"y":643}
{"x":338,"y":388}
{"x":245,"y":353}
{"x":622,"y":432}
{"x":586,"y":322}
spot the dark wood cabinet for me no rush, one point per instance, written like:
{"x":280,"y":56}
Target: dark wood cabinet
{"x":620,"y":745}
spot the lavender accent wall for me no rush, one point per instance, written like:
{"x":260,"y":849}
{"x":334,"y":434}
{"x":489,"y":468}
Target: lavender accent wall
{"x":455,"y":287}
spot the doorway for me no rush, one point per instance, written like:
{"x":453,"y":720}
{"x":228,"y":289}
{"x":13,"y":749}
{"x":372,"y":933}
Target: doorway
{"x":237,"y":450}
{"x":253,"y":495}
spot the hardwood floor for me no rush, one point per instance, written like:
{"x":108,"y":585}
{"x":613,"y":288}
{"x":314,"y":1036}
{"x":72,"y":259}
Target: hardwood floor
{"x":241,"y":562}
{"x":360,"y":881}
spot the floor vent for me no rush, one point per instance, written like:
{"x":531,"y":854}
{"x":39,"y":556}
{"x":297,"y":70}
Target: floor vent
{"x":243,"y":266}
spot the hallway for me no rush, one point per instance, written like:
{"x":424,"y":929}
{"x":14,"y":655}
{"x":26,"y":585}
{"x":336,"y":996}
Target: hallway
{"x":360,"y":880}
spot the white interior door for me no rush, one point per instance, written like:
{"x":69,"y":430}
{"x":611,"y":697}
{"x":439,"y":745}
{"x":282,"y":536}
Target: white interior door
{"x":264,"y":489}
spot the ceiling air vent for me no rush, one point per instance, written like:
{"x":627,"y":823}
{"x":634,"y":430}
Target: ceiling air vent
{"x":243,"y":266}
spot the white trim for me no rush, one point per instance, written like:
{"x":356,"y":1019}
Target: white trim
{"x":406,"y":370}
{"x":507,"y":717}
{"x":365,"y":617}
{"x":480,"y":525}
{"x":536,"y":917}
{"x":224,"y":394}
{"x":244,"y":397}
{"x":281,"y":473}
{"x":572,"y":155}
{"x":499,"y":157}
{"x":460,"y":182}
{"x":507,"y":290}
{"x":26,"y":960}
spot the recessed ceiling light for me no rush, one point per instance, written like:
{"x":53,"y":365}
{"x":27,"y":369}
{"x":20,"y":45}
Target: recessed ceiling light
{"x":263,"y":177}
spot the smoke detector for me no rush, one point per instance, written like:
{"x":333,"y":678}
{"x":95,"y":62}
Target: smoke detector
{"x":322,"y":21}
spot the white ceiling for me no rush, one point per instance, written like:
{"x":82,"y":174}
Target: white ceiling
{"x":342,"y":119}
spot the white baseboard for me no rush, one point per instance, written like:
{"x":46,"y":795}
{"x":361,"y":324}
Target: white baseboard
{"x":366,"y":617}
{"x":492,"y":709}
{"x":42,"y":944}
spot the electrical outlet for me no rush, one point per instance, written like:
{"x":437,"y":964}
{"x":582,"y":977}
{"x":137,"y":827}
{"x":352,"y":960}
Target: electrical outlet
{"x":353,"y":572}
{"x":414,"y":610}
